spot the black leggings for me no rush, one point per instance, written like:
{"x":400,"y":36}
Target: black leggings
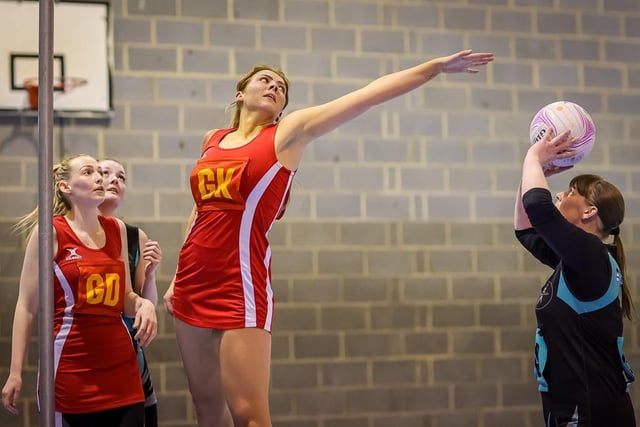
{"x":126,"y":416}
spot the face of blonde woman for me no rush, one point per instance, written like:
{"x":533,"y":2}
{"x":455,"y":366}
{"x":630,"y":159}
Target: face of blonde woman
{"x":85,"y":181}
{"x":114,"y":181}
{"x":265,"y":91}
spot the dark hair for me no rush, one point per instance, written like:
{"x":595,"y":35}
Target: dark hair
{"x":242,"y":84}
{"x":607,"y":198}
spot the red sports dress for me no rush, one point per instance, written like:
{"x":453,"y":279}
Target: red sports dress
{"x":95,"y":364}
{"x":223,"y":280}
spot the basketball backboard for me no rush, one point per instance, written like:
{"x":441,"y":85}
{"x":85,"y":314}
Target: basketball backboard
{"x":81,"y":62}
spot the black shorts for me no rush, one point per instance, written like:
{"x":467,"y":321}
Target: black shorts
{"x":126,"y":416}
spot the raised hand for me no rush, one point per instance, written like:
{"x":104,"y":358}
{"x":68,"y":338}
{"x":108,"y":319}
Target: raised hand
{"x":465,"y":61}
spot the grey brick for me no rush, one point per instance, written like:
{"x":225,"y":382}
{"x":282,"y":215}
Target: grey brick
{"x":447,"y":316}
{"x":421,"y":178}
{"x":394,"y":372}
{"x":361,"y":178}
{"x":600,"y":24}
{"x":491,"y":99}
{"x":358,"y":68}
{"x":500,"y":45}
{"x":386,"y":150}
{"x":624,"y":104}
{"x":147,"y":176}
{"x":367,"y":289}
{"x":579,"y":4}
{"x":382,"y":41}
{"x":343,"y":318}
{"x":204,"y":8}
{"x":205,"y":61}
{"x":315,"y":290}
{"x":468,"y":180}
{"x":581,"y":50}
{"x":558,"y":75}
{"x":603,"y":77}
{"x":476,"y":396}
{"x":316,"y":346}
{"x":626,"y":52}
{"x":390,"y":262}
{"x":267,"y":10}
{"x":340,"y":262}
{"x":156,"y":7}
{"x":511,"y":21}
{"x":279,"y":37}
{"x":448,"y":207}
{"x":371,"y":344}
{"x":556,"y":23}
{"x":133,"y":88}
{"x":193,"y":90}
{"x":292,"y":261}
{"x":131,"y":30}
{"x":364,"y":234}
{"x":297,"y":318}
{"x":425,"y":289}
{"x":427,"y":343}
{"x":388,"y":206}
{"x":232,"y":34}
{"x":393,"y":317}
{"x":179,"y":32}
{"x":124,"y":146}
{"x":473,"y":342}
{"x":494,"y":207}
{"x":308,"y":65}
{"x":622,"y":5}
{"x":306,"y":11}
{"x":519,"y":74}
{"x":351,"y":13}
{"x":533,"y":48}
{"x":465,"y":19}
{"x":441,"y":44}
{"x":632,"y":26}
{"x":153,"y":118}
{"x":144,"y":206}
{"x":152,"y":59}
{"x":467,"y":125}
{"x":333,"y":39}
{"x":455,"y":370}
{"x":420,"y":15}
{"x":179,"y":146}
{"x":338,"y":205}
{"x":500,"y":314}
{"x":476,"y":288}
{"x":319,"y":178}
{"x":534,"y":100}
{"x":538,"y":3}
{"x":458,"y":260}
{"x":445,"y":98}
{"x":494,"y":152}
{"x":313,"y":234}
{"x":343,"y":373}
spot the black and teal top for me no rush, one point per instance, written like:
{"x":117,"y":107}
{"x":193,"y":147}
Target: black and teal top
{"x":579,"y":364}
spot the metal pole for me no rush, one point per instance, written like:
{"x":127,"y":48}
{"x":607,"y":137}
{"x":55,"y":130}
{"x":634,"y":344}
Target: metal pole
{"x":45,"y":212}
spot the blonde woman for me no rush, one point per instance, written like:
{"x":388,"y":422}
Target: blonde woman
{"x":94,"y":359}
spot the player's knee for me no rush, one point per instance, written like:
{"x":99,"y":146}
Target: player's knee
{"x":250,"y":414}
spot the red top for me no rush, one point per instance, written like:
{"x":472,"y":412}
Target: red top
{"x":223,"y":279}
{"x":94,"y":360}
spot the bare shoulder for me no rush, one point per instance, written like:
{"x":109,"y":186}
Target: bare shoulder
{"x":142,"y":236}
{"x":207,"y":136}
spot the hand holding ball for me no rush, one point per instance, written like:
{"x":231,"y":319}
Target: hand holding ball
{"x":559,"y":117}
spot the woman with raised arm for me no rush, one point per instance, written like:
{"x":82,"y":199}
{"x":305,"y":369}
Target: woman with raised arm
{"x":142,"y":267}
{"x":221,"y":295}
{"x":97,"y":381}
{"x":583,"y":376}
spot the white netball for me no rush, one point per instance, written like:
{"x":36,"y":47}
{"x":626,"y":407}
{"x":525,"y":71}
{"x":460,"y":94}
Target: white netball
{"x":560,"y":116}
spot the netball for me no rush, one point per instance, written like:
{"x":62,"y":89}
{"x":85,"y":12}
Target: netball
{"x":559,"y":117}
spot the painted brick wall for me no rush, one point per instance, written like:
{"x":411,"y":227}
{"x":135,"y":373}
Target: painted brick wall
{"x":403,"y":298}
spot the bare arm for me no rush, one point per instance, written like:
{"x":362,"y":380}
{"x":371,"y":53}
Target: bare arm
{"x":24,"y":318}
{"x":300,"y":127}
{"x":145,"y":323}
{"x":151,"y":256}
{"x":520,"y":218}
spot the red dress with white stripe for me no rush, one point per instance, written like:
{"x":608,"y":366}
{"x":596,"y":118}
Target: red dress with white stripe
{"x":223,"y":280}
{"x":95,"y":363}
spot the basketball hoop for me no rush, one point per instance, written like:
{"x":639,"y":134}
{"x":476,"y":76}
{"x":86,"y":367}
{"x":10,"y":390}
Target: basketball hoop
{"x":59,"y":85}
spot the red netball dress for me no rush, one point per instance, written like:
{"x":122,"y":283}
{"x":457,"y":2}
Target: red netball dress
{"x":94,"y":360}
{"x":223,"y":280}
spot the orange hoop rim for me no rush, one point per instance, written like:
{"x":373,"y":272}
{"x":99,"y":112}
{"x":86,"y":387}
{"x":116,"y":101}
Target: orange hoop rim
{"x":58,"y":83}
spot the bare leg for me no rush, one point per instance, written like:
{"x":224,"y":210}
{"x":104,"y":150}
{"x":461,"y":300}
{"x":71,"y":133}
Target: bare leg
{"x":200,"y":350}
{"x":245,"y":358}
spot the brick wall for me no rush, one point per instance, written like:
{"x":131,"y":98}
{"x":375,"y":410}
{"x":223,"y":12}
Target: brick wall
{"x":403,"y":298}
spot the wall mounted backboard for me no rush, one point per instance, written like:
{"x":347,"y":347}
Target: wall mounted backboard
{"x":81,"y":63}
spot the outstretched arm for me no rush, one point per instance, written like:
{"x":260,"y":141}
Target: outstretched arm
{"x":300,"y":127}
{"x":23,"y":321}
